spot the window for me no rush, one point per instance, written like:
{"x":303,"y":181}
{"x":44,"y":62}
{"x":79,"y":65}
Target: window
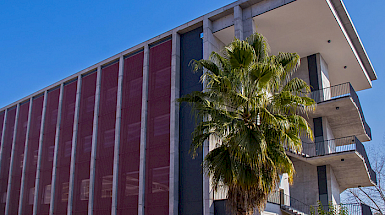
{"x":107,"y":186}
{"x":64,"y":192}
{"x":31,"y":195}
{"x":87,"y":145}
{"x":109,"y":137}
{"x":67,"y":148}
{"x":50,"y":153}
{"x":160,"y":179}
{"x":132,"y":184}
{"x":84,"y":189}
{"x":47,"y":194}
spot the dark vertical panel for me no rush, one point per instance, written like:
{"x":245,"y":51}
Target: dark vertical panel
{"x":83,"y":147}
{"x":18,"y":157}
{"x":190,"y":170}
{"x":33,"y":146}
{"x":7,"y":146}
{"x":313,"y":73}
{"x":106,"y":139}
{"x":322,"y":186}
{"x":220,"y":207}
{"x":48,"y":151}
{"x":318,"y":135}
{"x":65,"y":145}
{"x":158,"y":130}
{"x":128,"y":183}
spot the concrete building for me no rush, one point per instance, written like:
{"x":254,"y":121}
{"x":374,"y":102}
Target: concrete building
{"x":111,"y":139}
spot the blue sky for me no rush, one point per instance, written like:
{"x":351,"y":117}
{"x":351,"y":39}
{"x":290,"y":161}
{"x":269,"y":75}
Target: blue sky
{"x":42,"y":42}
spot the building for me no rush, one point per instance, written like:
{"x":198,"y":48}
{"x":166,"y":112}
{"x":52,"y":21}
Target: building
{"x":112,"y":139}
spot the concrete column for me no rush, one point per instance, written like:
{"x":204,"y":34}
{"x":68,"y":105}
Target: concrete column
{"x":143,"y":131}
{"x":3,"y":136}
{"x":94,"y":142}
{"x":238,"y":22}
{"x":56,"y":149}
{"x":117,"y":138}
{"x":25,"y":158}
{"x":249,"y":26}
{"x":8,"y":201}
{"x":174,"y":125}
{"x":36,"y":195}
{"x":208,"y":47}
{"x":74,"y":145}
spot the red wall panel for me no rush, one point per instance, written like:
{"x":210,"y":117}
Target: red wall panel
{"x":65,"y":146}
{"x":18,"y":157}
{"x":158,"y":130}
{"x":128,"y":179}
{"x":7,"y":145}
{"x":33,"y":145}
{"x":48,"y":151}
{"x":106,"y":139}
{"x":83,"y":147}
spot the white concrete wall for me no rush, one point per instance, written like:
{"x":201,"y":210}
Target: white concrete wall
{"x":328,"y":135}
{"x":305,"y":185}
{"x":333,"y":186}
{"x":303,"y":71}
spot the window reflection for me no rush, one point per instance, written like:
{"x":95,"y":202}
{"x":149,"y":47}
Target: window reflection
{"x":31,"y":195}
{"x":132,"y":184}
{"x":160,"y":179}
{"x":107,"y":186}
{"x":109,"y":137}
{"x":64,"y":192}
{"x":84,"y":189}
{"x":47,"y":194}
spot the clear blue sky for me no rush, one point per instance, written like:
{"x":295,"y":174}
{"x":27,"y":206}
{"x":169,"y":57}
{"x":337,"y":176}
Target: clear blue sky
{"x":42,"y":42}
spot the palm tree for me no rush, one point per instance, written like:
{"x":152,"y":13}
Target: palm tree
{"x":253,"y":107}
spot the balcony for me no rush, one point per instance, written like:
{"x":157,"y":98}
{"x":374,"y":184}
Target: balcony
{"x":341,"y":106}
{"x":293,"y":206}
{"x":346,"y":156}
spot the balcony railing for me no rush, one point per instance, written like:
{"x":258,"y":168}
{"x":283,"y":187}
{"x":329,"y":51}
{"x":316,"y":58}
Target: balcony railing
{"x":289,"y":203}
{"x":339,"y":145}
{"x":340,"y":91}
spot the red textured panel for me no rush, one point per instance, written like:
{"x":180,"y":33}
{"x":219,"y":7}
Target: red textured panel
{"x":106,"y":139}
{"x":33,"y":145}
{"x":128,"y":179}
{"x":83,"y":148}
{"x":2,"y":114}
{"x":48,"y":150}
{"x":18,"y":157}
{"x":7,"y":145}
{"x":65,"y":145}
{"x":158,"y":130}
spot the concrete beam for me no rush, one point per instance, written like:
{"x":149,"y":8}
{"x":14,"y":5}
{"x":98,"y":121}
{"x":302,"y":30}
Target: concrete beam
{"x":94,"y":143}
{"x":8,"y":201}
{"x":174,"y":125}
{"x":74,"y":145}
{"x":143,"y":132}
{"x":117,"y":138}
{"x":238,"y":22}
{"x":25,"y":158}
{"x":56,"y":149}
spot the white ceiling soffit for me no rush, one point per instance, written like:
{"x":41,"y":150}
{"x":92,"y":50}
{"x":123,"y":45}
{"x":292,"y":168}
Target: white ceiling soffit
{"x":225,"y":35}
{"x":305,"y":27}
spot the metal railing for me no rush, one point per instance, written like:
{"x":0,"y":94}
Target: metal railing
{"x":351,"y":209}
{"x":333,"y":146}
{"x":286,"y":201}
{"x":340,"y":91}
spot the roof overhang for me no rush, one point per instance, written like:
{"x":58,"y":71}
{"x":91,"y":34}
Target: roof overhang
{"x":305,"y":27}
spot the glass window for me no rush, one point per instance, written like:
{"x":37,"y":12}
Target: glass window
{"x":109,"y":137}
{"x":31,"y":195}
{"x":67,"y":148}
{"x":132,"y":184}
{"x":160,"y":179}
{"x":84,"y":189}
{"x":47,"y":194}
{"x":64,"y":192}
{"x":107,"y":186}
